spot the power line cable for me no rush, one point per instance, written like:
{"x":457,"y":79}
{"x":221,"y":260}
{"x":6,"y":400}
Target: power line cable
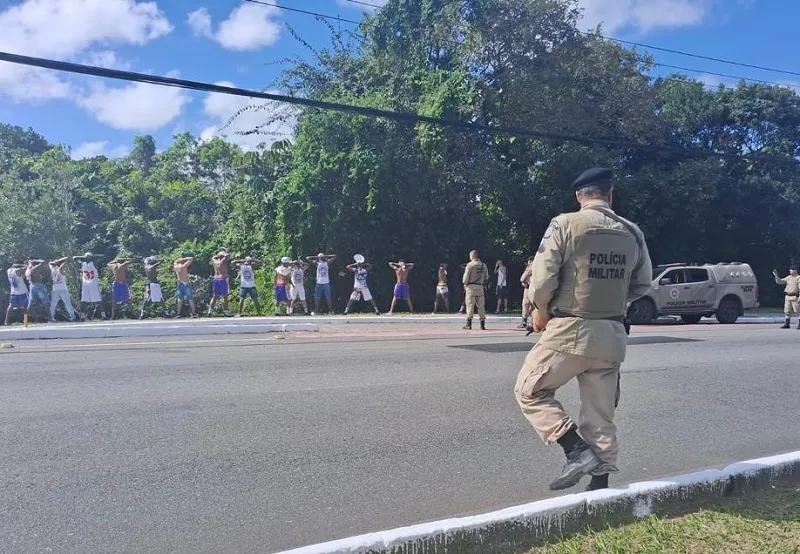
{"x":404,"y":117}
{"x":306,"y":12}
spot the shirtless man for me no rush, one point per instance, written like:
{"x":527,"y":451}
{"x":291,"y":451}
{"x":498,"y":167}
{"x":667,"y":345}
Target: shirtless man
{"x":60,"y":291}
{"x":90,"y":285}
{"x":247,"y":276}
{"x":282,"y":278}
{"x":184,"y":293}
{"x":19,"y":290}
{"x":220,"y":287}
{"x":401,"y":290}
{"x":442,"y":291}
{"x":298,"y":293}
{"x":120,"y":293}
{"x":322,"y":288}
{"x":38,"y":296}
{"x":360,"y":287}
{"x":152,"y":291}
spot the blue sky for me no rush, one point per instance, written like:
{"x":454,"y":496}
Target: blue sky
{"x":237,"y":42}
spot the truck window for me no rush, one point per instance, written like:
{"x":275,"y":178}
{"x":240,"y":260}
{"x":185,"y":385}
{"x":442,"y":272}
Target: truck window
{"x":674,"y":277}
{"x":696,"y":275}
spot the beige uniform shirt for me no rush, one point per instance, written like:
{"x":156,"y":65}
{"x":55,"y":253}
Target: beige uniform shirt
{"x":587,"y":269}
{"x":476,"y":275}
{"x":792,"y":283}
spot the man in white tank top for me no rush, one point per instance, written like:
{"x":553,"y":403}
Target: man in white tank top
{"x":298,"y":292}
{"x":322,"y":288}
{"x":360,"y":288}
{"x":18,"y":300}
{"x":90,"y":285}
{"x":247,"y":276}
{"x":60,"y":292}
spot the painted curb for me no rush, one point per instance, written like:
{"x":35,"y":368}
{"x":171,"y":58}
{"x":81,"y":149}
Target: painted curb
{"x":121,"y":330}
{"x":518,"y":528}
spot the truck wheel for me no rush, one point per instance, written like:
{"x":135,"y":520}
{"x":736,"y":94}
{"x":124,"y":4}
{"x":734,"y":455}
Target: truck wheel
{"x":691,"y":319}
{"x":641,"y":312}
{"x":728,"y":311}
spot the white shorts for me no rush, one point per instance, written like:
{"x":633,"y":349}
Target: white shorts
{"x":442,"y":290}
{"x":298,"y":292}
{"x":90,"y":292}
{"x":361,"y":293}
{"x":154,"y":295}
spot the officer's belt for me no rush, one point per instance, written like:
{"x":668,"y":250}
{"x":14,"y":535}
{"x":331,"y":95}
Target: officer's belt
{"x":792,"y":294}
{"x":618,"y":319}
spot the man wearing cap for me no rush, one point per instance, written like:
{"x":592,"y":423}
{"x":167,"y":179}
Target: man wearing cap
{"x":360,"y":288}
{"x":298,"y":292}
{"x":589,"y":266}
{"x":322,"y":288}
{"x":19,"y":290}
{"x":220,"y":287}
{"x":476,"y":275}
{"x":282,"y":278}
{"x":247,"y":275}
{"x":152,"y":291}
{"x":90,"y":285}
{"x":791,"y":303}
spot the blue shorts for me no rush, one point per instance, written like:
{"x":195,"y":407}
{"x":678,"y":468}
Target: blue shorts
{"x":120,"y":293}
{"x":280,"y":293}
{"x":184,"y":291}
{"x":244,"y":292}
{"x":38,"y":295}
{"x":323,"y":291}
{"x":220,"y":287}
{"x":18,"y":301}
{"x":401,"y":291}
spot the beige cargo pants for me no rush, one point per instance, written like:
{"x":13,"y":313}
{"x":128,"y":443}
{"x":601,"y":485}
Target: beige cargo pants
{"x":473,"y":298}
{"x":791,"y":306}
{"x":546,"y":370}
{"x":527,"y":305}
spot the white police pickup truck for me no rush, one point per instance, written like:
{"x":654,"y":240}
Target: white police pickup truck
{"x":724,"y":290}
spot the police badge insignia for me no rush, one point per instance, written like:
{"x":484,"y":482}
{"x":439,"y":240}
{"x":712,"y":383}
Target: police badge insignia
{"x":552,"y":228}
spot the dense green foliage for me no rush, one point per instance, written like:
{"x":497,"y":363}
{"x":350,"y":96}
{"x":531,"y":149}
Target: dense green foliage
{"x":389,"y":190}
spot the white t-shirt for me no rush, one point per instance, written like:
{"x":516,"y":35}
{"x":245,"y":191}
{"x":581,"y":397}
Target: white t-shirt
{"x":59,"y":281}
{"x":322,"y":273}
{"x":248,"y":276}
{"x":282,"y":271}
{"x":16,"y":282}
{"x":297,"y":276}
{"x":501,"y":276}
{"x":360,"y":278}
{"x":89,"y":273}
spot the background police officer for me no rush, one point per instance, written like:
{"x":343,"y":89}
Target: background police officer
{"x":589,"y":265}
{"x":476,"y":275}
{"x":791,"y":303}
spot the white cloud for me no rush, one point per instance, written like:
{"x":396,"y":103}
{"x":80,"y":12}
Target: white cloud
{"x":274,"y":121}
{"x":134,"y":107}
{"x":98,"y":148}
{"x":200,"y":23}
{"x":68,"y":29}
{"x":643,"y":15}
{"x":105,"y":58}
{"x":248,"y":27}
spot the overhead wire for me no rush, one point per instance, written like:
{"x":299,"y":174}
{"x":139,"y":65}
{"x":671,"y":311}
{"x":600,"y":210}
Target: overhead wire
{"x":403,"y":117}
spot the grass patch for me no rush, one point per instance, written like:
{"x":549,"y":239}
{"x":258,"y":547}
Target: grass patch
{"x":764,"y":522}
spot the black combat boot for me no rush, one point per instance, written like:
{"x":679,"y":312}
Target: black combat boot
{"x":598,"y":482}
{"x":581,"y":460}
{"x":787,"y":324}
{"x":483,"y":325}
{"x":468,"y":326}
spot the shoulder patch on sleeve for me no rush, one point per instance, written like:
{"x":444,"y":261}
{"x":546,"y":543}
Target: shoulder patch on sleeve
{"x":552,"y":228}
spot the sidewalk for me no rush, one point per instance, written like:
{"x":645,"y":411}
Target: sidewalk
{"x":256,"y":325}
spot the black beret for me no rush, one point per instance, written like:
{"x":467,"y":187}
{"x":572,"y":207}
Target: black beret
{"x":598,"y":176}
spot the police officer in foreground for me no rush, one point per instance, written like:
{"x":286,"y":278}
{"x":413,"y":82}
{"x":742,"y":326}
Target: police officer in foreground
{"x":476,"y":275}
{"x":791,"y":304}
{"x":589,"y":265}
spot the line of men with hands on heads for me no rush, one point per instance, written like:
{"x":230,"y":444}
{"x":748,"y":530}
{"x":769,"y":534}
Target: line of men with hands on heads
{"x":288,"y":286}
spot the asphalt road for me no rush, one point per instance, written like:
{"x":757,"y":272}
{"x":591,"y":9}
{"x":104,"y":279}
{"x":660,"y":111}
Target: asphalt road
{"x":256,"y":445}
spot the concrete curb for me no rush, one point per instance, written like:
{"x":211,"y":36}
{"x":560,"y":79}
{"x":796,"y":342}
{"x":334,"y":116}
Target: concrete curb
{"x":518,"y":528}
{"x":116,"y":330}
